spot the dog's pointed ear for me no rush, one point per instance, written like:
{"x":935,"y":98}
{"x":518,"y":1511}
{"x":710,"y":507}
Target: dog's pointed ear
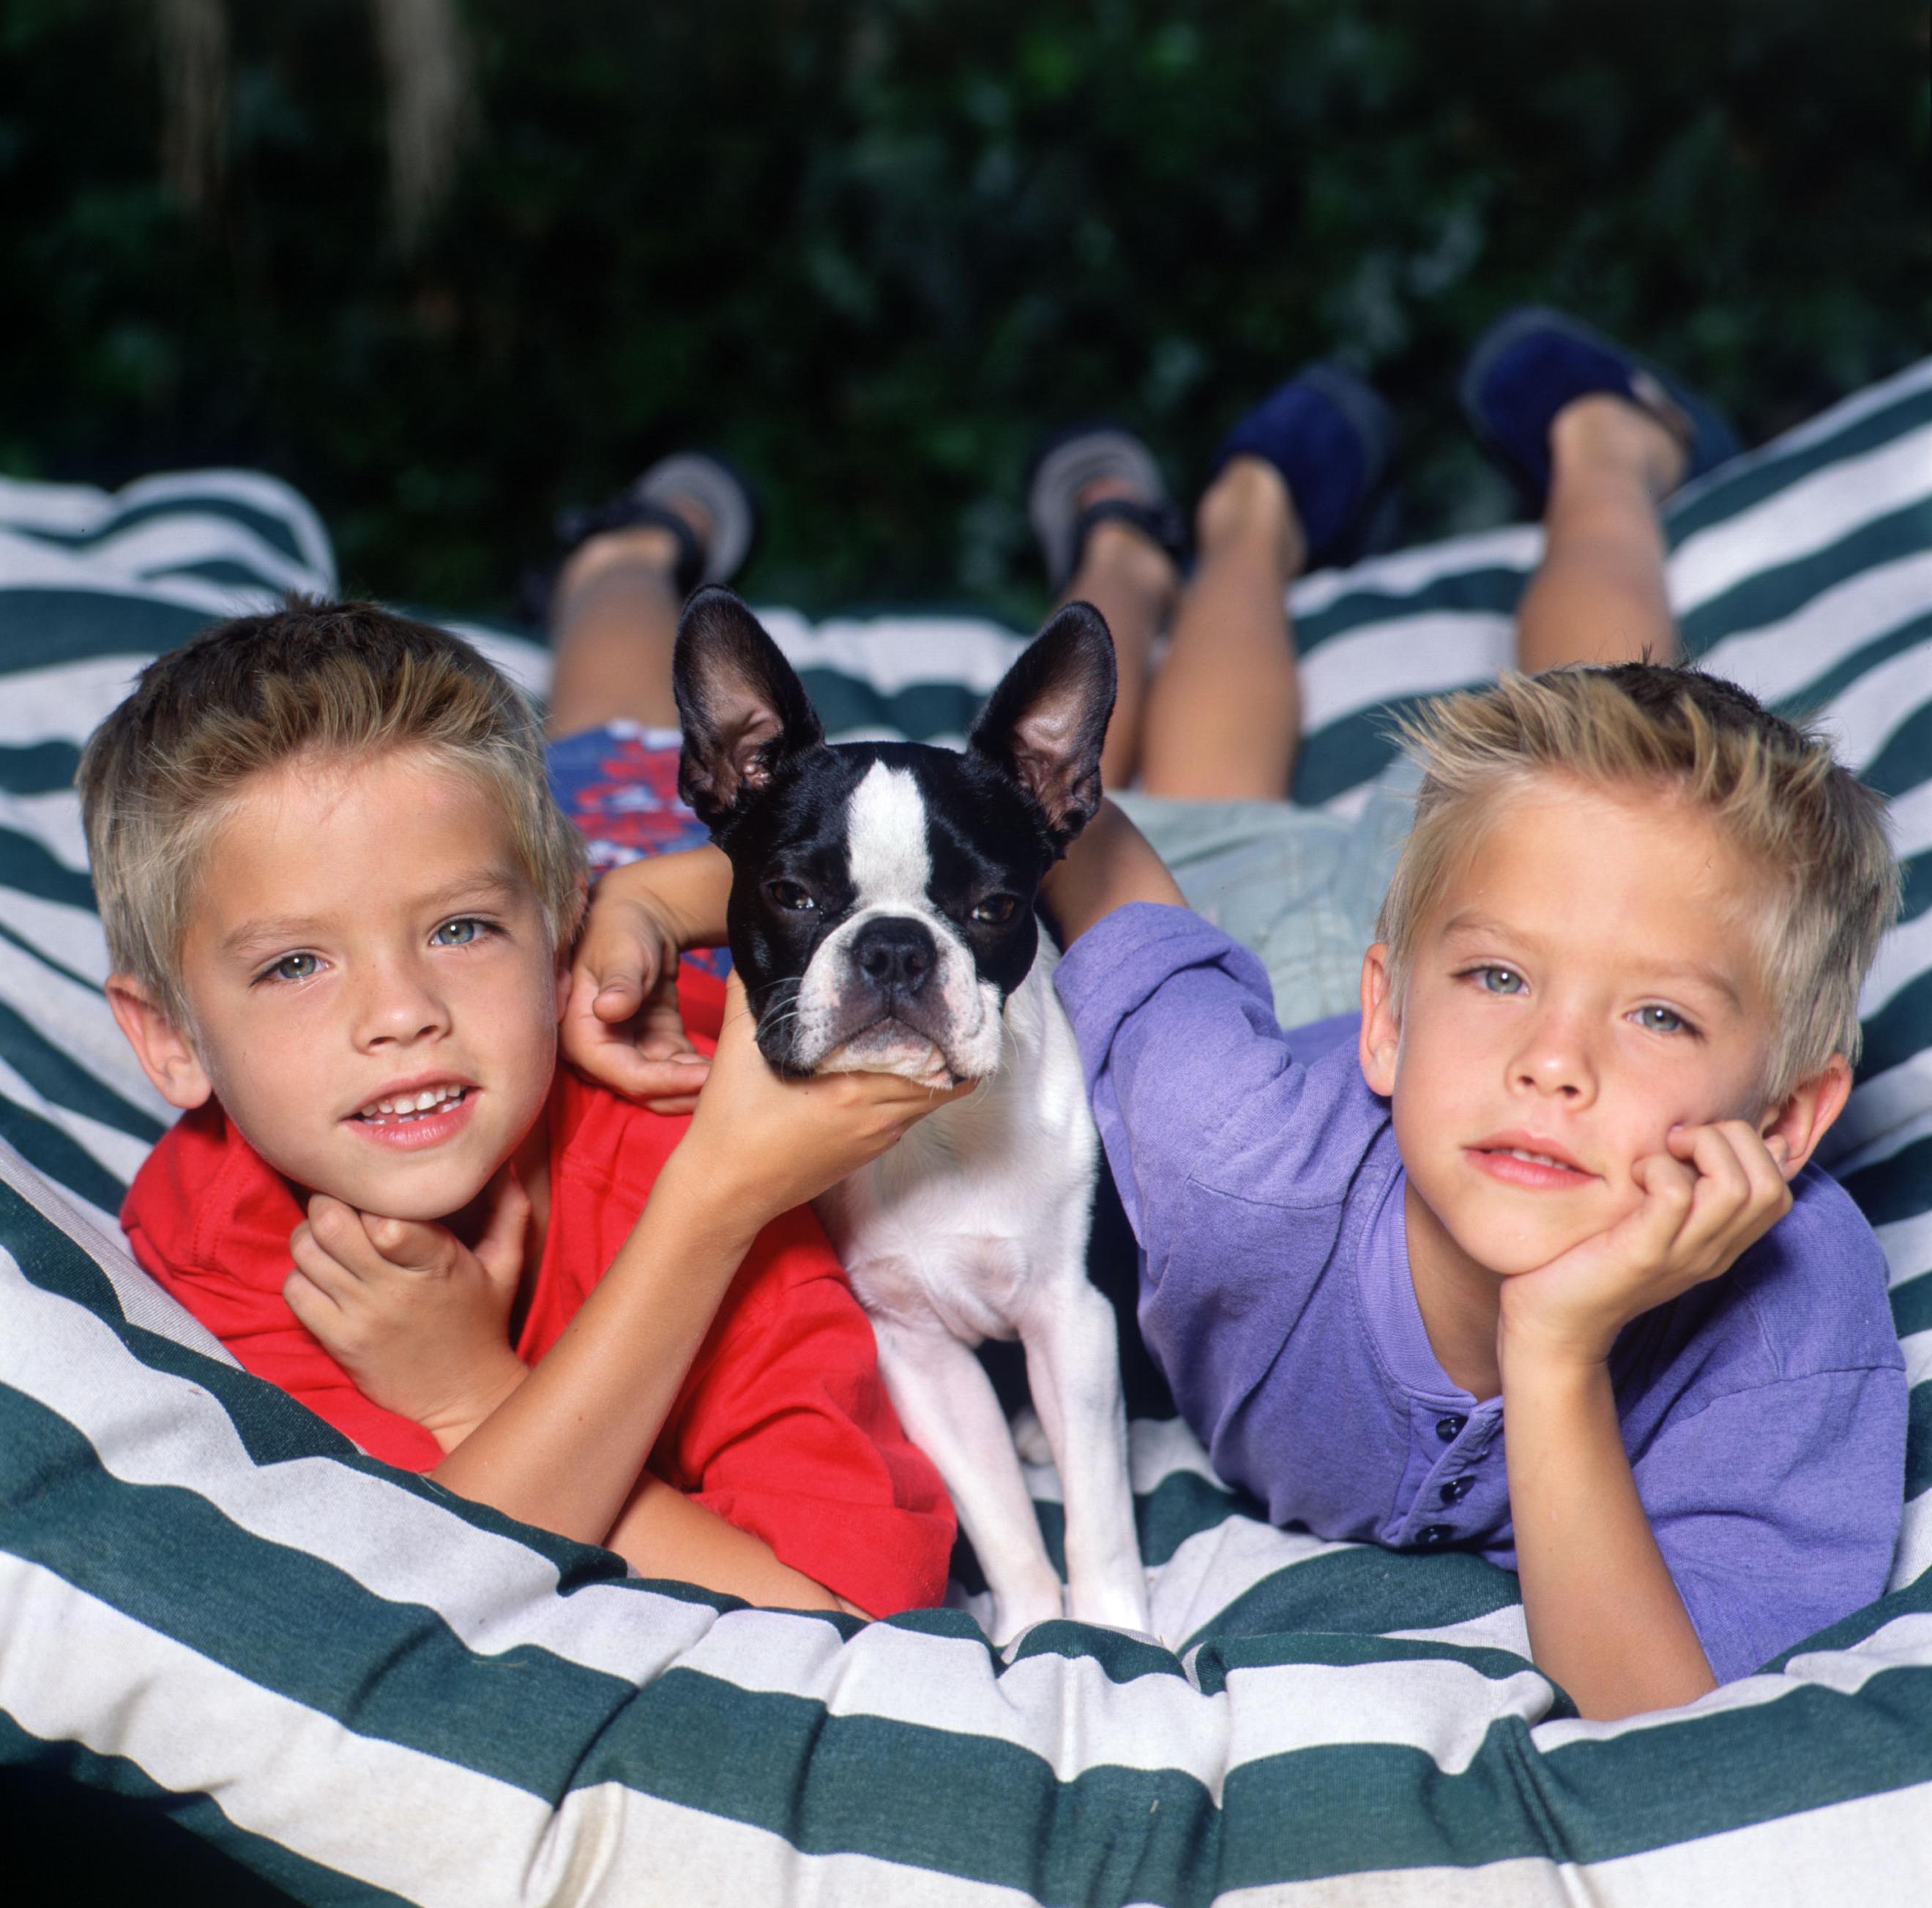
{"x":1045,"y":724}
{"x":744,"y":710}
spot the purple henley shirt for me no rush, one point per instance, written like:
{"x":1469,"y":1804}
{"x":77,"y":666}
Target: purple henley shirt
{"x":1764,"y":1412}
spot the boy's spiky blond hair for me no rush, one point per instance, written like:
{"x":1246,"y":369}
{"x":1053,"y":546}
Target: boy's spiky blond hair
{"x":326,"y":682}
{"x":1814,"y":832}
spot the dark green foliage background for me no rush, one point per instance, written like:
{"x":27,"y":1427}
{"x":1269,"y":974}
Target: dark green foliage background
{"x":874,"y":249}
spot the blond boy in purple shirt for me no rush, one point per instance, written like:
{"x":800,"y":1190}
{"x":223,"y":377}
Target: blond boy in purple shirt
{"x":1605,"y":1024}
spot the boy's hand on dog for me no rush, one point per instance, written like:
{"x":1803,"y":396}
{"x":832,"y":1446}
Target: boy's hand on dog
{"x":1715,"y":1191}
{"x":621,"y":1024}
{"x":762,"y":1144}
{"x":417,"y":1319}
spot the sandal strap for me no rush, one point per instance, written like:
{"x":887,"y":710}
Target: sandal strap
{"x":1160,"y":522}
{"x":631,"y":511}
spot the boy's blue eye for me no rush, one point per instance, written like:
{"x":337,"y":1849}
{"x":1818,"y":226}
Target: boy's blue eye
{"x":459,"y":933}
{"x":1499,"y":980}
{"x":1660,"y":1020}
{"x":294,"y":967}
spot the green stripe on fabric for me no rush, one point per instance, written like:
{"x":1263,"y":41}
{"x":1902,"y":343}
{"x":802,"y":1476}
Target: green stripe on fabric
{"x":1353,"y":749}
{"x":1494,"y":590}
{"x":46,"y":960}
{"x":1328,"y":1812}
{"x":38,"y":768}
{"x":1914,"y":886}
{"x":1918,"y":1442}
{"x":289,"y":1876}
{"x":1899,"y":1029}
{"x":1362,"y":1591}
{"x":1806,"y":701}
{"x":1912,"y":1306}
{"x":27,"y":865}
{"x":1899,"y":1186}
{"x":272,"y":528}
{"x":1773,"y":592}
{"x":56,"y":1077}
{"x":65,"y":1161}
{"x":1905,"y":761}
{"x":1731,"y":496}
{"x":50,"y":627}
{"x":169,"y":1559}
{"x":918,"y":712}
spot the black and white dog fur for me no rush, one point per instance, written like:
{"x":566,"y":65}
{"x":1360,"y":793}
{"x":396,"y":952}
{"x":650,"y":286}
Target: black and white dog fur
{"x":882,"y":919}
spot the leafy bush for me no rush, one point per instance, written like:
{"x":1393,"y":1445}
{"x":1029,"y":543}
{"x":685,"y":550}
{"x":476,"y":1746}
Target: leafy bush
{"x":873,"y":248}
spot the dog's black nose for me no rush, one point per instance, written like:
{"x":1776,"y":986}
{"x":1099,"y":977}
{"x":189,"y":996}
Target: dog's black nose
{"x":894,"y":953}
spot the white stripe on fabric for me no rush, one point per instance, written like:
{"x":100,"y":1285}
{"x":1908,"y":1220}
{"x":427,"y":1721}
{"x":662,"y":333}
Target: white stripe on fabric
{"x":1503,"y":1629}
{"x":186,"y":539}
{"x":1907,"y":1246}
{"x":27,"y":563}
{"x":1874,"y":1850}
{"x":152,"y":1428}
{"x":98,"y":1235}
{"x":117,"y":1152}
{"x":1803,"y":517}
{"x":1908,"y":816}
{"x":1883,"y":1102}
{"x":1408,"y":572}
{"x":1213,"y":1569}
{"x":53,"y":819}
{"x":1885,"y":1145}
{"x":72,"y":936}
{"x":1903,"y":954}
{"x":76,"y":1669}
{"x":62,"y":509}
{"x":1407,"y":655}
{"x":255,"y":490}
{"x":1865,"y":714}
{"x":1779,"y":659}
{"x":1913,"y":1557}
{"x":526,"y":664}
{"x":894,"y":653}
{"x":77,"y":1021}
{"x":65,"y":702}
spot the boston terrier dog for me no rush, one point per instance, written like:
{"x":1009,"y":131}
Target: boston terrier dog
{"x":882,"y":919}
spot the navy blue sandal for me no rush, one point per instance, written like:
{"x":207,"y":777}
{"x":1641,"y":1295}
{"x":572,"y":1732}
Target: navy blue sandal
{"x":1332,"y":438}
{"x":1534,"y":361}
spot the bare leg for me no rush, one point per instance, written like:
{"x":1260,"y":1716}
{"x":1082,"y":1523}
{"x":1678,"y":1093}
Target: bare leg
{"x":1131,"y":582}
{"x":1224,"y":718}
{"x":613,"y":620}
{"x":1599,"y":595}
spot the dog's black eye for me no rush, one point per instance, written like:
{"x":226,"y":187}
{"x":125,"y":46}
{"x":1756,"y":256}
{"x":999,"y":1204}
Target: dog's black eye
{"x":789,"y":895}
{"x":996,"y":910}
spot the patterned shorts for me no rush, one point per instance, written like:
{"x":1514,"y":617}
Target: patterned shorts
{"x":619,"y":784}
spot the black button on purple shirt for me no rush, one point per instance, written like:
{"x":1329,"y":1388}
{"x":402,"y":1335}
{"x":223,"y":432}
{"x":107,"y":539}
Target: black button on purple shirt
{"x":1433,"y":1534}
{"x":1456,"y":1490}
{"x":1450,"y":1428}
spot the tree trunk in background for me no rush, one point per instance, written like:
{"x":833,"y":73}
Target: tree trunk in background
{"x":194,"y":36}
{"x":428,"y":80}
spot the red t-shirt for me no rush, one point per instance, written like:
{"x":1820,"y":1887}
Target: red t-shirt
{"x":782,"y":1427}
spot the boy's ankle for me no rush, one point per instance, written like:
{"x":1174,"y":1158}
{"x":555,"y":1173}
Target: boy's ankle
{"x":1249,"y":505}
{"x":1603,"y":432}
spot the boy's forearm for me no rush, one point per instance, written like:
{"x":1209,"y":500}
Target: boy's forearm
{"x":1606,"y":1621}
{"x":663,"y":1533}
{"x":617,"y":1367}
{"x":1110,"y":864}
{"x":689,"y":889}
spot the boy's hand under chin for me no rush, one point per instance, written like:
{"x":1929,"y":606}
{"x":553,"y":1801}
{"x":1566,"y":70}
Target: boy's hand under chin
{"x":420,"y":1320}
{"x":1718,"y":1190}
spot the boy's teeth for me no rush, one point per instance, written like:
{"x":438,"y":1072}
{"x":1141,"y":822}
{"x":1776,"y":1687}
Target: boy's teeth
{"x":1534,"y":1158}
{"x":404,"y":1105}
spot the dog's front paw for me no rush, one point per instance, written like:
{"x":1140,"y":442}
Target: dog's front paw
{"x":1116,"y":1604}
